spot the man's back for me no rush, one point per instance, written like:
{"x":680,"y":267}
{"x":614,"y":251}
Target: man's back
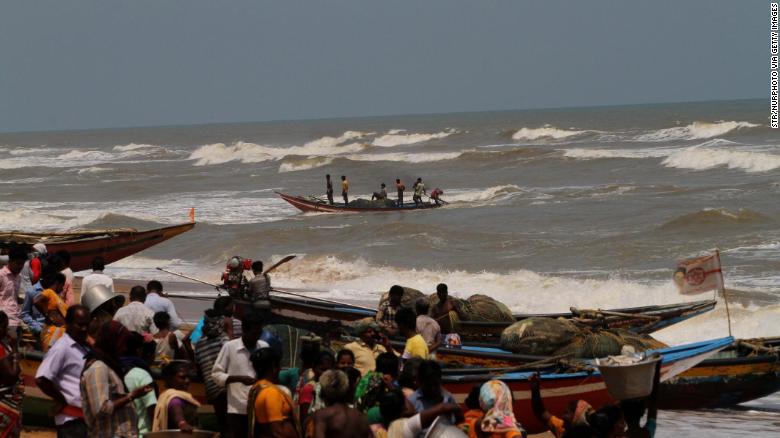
{"x":96,"y":278}
{"x":341,"y":421}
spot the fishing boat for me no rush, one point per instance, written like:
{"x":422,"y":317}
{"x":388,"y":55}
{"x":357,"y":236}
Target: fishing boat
{"x":558,"y":390}
{"x":324,"y":317}
{"x":311,"y":204}
{"x":745,"y":371}
{"x":83,"y":246}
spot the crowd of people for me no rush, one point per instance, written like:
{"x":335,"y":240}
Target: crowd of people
{"x":99,"y":370}
{"x":418,"y":188}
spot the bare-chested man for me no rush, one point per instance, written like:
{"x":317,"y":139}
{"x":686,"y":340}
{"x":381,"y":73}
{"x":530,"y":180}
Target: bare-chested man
{"x":337,"y":419}
{"x":441,"y":311}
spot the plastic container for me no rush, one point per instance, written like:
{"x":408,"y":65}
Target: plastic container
{"x":626,"y":382}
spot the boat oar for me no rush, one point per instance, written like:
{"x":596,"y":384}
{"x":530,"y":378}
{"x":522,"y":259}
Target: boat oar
{"x":324,"y":300}
{"x":279,"y":263}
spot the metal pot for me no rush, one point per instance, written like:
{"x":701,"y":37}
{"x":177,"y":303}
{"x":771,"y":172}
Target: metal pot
{"x":98,"y":295}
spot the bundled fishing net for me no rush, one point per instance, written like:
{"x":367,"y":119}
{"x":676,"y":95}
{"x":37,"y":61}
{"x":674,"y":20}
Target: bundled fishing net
{"x":367,"y":203}
{"x":539,"y":335}
{"x":485,"y":308}
{"x":547,"y":336}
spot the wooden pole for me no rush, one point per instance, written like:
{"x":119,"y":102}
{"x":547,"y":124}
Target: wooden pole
{"x":723,"y":290}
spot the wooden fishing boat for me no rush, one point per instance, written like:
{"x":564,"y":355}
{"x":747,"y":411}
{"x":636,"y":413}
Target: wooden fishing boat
{"x":736,"y":375}
{"x":310,"y":204}
{"x":558,"y":390}
{"x":323,"y":318}
{"x":83,"y":246}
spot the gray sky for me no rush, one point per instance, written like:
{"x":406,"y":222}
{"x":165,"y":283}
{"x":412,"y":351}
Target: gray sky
{"x":93,"y":64}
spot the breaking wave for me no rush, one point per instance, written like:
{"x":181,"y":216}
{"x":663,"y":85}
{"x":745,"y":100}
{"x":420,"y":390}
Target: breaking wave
{"x":694,"y":131}
{"x":410,"y":157}
{"x":220,"y":153}
{"x":482,"y":196}
{"x":699,"y":158}
{"x":546,"y":131}
{"x":594,"y":154}
{"x":399,"y":137}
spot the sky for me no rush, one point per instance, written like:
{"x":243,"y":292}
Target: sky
{"x":96,"y":64}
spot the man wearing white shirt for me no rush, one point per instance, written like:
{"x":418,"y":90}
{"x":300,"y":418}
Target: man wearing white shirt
{"x":135,"y":316}
{"x":97,"y":277}
{"x":234,"y":370}
{"x":59,"y":374}
{"x":157,"y":303}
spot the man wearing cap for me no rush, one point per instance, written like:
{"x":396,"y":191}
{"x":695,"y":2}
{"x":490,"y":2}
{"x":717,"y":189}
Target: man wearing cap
{"x":368,"y":347}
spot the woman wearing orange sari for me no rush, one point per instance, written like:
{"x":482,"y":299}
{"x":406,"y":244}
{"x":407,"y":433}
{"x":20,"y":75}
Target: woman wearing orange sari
{"x":53,"y":307}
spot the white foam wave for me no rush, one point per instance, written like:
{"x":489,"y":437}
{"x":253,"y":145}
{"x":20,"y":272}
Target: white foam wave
{"x":481,"y":196}
{"x":28,"y":151}
{"x":220,"y":153}
{"x":247,"y":208}
{"x":407,"y":157}
{"x":66,"y":158}
{"x":305,"y":164}
{"x":93,"y":169}
{"x":135,"y":147}
{"x":701,"y":158}
{"x":398,"y":137}
{"x":593,"y":154}
{"x":694,"y":131}
{"x":546,"y":131}
{"x":746,"y":322}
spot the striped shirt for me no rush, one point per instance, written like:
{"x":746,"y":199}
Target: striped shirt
{"x":206,"y":352}
{"x":99,"y":385}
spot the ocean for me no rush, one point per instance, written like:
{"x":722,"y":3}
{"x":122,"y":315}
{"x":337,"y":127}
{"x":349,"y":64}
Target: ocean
{"x":548,"y":209}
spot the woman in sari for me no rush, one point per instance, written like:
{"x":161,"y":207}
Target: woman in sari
{"x":176,"y":407}
{"x":495,"y":399}
{"x":11,"y":386}
{"x":52,"y":306}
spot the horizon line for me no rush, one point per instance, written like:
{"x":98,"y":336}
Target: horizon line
{"x":312,"y":119}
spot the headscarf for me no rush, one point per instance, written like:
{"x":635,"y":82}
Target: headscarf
{"x":495,"y":398}
{"x":110,"y":344}
{"x":368,"y":390}
{"x":213,"y":325}
{"x":581,"y":413}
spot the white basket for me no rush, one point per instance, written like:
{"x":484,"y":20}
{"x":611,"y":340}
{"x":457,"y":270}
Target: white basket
{"x":625,"y":382}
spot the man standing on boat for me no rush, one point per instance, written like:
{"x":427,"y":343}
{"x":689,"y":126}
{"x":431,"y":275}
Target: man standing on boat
{"x":419,"y":191}
{"x":260,"y":284}
{"x":329,"y":189}
{"x":345,"y":189}
{"x":444,"y":311}
{"x":385,"y":314}
{"x":400,"y":188}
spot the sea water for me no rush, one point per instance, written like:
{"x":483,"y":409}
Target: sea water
{"x":548,"y":209}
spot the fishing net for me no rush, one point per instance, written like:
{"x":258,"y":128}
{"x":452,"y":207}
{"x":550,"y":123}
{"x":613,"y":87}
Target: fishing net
{"x":548,"y":336}
{"x":538,"y":335}
{"x":367,"y":203}
{"x":485,"y":308}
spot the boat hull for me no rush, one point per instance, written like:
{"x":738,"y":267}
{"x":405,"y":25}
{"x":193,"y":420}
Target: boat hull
{"x":314,"y":206}
{"x":112,"y":245}
{"x":323,"y":318}
{"x":723,"y":382}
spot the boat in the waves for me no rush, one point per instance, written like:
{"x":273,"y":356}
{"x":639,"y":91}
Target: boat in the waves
{"x":323,"y":317}
{"x":84,"y":245}
{"x":748,"y":370}
{"x":311,"y":204}
{"x":558,"y":390}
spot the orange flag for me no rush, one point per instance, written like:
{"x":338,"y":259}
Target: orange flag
{"x":192,"y":214}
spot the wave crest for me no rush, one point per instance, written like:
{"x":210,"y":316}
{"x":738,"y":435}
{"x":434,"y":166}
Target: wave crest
{"x":709,"y":217}
{"x":547,"y":131}
{"x":398,"y":137}
{"x":695,"y":131}
{"x":699,"y":158}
